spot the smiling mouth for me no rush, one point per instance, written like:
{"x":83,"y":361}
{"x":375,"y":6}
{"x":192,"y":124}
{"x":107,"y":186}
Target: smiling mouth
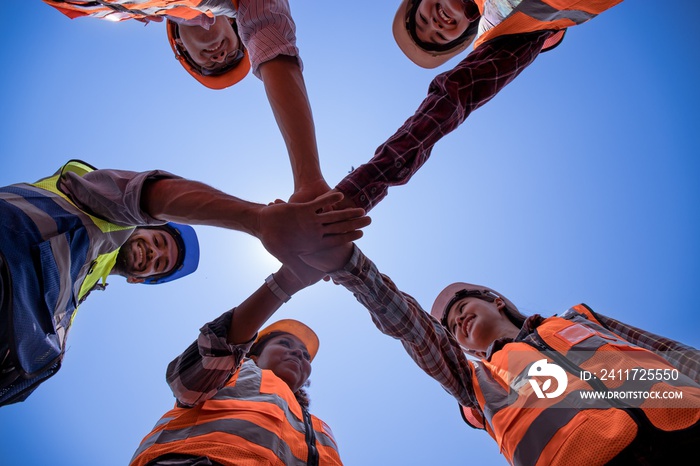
{"x":447,"y":19}
{"x":467,"y":325}
{"x":215,"y":49}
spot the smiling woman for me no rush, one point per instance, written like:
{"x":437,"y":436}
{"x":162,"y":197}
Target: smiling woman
{"x":240,"y":397}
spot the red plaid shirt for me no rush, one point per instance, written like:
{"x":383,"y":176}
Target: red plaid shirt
{"x":452,"y":96}
{"x":399,"y":315}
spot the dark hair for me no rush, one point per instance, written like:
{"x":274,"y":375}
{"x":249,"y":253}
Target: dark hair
{"x":301,"y":395}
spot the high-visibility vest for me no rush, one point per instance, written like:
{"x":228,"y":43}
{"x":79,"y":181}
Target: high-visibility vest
{"x":548,"y":431}
{"x":55,"y":254}
{"x":255,"y":419}
{"x":501,"y":17}
{"x":140,"y":9}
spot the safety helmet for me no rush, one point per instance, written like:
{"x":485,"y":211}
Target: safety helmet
{"x":188,"y":253}
{"x":422,"y":54}
{"x":459,"y":290}
{"x":221,"y":80}
{"x":296,"y":328}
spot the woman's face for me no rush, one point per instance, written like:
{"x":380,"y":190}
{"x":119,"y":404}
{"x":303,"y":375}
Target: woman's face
{"x":476,"y":323}
{"x":288,"y":358}
{"x":440,"y":21}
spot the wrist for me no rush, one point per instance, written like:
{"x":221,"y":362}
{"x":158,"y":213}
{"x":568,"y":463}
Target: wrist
{"x":276,"y":289}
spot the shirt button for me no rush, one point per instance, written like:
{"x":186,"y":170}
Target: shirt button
{"x":363,"y":198}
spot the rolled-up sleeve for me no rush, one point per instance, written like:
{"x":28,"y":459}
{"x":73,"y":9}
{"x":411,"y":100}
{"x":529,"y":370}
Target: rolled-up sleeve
{"x":267,"y":30}
{"x":207,"y":364}
{"x":113,"y":195}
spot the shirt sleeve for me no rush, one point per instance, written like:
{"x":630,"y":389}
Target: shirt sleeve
{"x":452,"y":96}
{"x":113,"y":195}
{"x":399,"y":315}
{"x":683,"y":357}
{"x":267,"y":30}
{"x":207,"y":364}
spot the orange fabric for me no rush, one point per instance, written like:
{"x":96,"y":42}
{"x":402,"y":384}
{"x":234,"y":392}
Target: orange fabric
{"x":518,"y":22}
{"x":161,"y":7}
{"x":228,"y":448}
{"x":504,"y":393}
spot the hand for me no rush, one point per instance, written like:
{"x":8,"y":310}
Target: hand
{"x":329,"y":260}
{"x":310,"y":191}
{"x":291,"y":230}
{"x":345,"y":203}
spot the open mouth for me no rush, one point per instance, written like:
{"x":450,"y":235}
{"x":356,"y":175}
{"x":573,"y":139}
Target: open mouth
{"x":467,"y":325}
{"x":215,"y":49}
{"x":442,"y":14}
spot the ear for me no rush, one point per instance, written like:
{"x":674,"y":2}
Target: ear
{"x":500,"y":304}
{"x":135,"y":280}
{"x":178,"y":41}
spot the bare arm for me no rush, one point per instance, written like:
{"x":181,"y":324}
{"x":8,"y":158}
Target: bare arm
{"x":286,"y":92}
{"x":285,"y":230}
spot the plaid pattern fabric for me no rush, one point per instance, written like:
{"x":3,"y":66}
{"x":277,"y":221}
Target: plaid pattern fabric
{"x":207,"y":364}
{"x":683,"y":357}
{"x":398,"y":315}
{"x":452,"y":96}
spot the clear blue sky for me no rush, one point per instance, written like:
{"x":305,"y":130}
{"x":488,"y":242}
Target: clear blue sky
{"x":578,"y":183}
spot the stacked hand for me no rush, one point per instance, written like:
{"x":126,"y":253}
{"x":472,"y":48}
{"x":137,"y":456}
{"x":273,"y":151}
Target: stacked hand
{"x":311,"y":238}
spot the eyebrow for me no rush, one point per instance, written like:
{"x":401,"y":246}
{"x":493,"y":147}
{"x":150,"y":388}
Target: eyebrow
{"x":164,"y":238}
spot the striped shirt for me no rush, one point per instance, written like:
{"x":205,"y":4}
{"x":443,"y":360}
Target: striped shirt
{"x":452,"y":96}
{"x":399,"y":315}
{"x":266,"y":27}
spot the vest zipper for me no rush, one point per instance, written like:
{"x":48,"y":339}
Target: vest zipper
{"x":312,"y":458}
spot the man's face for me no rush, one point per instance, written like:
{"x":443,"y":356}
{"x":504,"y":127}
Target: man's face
{"x":288,"y":358}
{"x":440,"y":21}
{"x":148,"y":252}
{"x":211,"y":48}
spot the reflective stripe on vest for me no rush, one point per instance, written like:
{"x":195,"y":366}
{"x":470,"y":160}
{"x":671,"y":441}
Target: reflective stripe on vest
{"x":256,"y":414}
{"x":530,"y":430}
{"x":502,"y":17}
{"x":65,"y":243}
{"x":119,"y":10}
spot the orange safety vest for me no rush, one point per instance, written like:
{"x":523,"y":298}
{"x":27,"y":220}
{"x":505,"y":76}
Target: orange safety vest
{"x":501,"y":17}
{"x":255,"y":419}
{"x":606,"y":382}
{"x":142,"y":9}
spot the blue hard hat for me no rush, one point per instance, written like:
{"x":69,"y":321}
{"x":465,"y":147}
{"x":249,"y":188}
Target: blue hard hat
{"x":188,"y":253}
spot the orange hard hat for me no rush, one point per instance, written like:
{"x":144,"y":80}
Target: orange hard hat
{"x":228,"y":77}
{"x":296,"y":328}
{"x":404,"y":22}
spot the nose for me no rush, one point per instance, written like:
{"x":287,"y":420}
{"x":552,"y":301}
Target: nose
{"x":219,"y":56}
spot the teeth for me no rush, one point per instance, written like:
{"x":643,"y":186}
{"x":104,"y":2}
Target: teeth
{"x":444,"y":15}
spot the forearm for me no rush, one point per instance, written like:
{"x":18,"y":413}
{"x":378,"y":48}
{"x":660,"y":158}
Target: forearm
{"x":194,"y":203}
{"x":286,"y":92}
{"x":452,"y":97}
{"x":252,"y":313}
{"x":398,"y":315}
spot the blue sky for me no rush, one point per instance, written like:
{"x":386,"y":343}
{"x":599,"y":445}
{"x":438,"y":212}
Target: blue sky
{"x":577,"y":183}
